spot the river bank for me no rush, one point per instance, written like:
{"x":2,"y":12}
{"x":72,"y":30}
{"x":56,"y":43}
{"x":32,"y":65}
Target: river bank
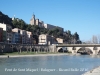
{"x":56,"y":54}
{"x":39,"y":54}
{"x":95,"y":71}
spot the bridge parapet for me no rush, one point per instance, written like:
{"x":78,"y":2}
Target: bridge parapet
{"x":78,"y":45}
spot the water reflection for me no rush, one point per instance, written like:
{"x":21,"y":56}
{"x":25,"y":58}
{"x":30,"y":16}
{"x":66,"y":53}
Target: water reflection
{"x":72,"y":63}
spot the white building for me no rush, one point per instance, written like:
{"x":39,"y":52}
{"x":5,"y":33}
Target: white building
{"x":59,"y":40}
{"x":29,"y":37}
{"x":41,"y":24}
{"x":21,"y":36}
{"x":45,"y":39}
{"x":33,"y":21}
{"x":49,"y":26}
{"x":7,"y":32}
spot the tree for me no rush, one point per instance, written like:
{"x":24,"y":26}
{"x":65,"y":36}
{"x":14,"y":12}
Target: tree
{"x":5,"y":19}
{"x":98,"y":37}
{"x":50,"y":32}
{"x":94,"y":39}
{"x":69,"y":32}
{"x":88,"y":42}
{"x":19,"y":23}
{"x":76,"y":36}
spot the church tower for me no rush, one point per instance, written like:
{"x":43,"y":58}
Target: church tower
{"x":32,"y":21}
{"x":13,"y":17}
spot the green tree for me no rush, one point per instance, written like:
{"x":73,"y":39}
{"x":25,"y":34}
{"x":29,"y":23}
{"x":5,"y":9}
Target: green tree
{"x":76,"y":36}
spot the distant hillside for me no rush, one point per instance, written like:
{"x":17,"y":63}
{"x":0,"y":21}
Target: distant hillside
{"x":5,"y":19}
{"x":36,"y":30}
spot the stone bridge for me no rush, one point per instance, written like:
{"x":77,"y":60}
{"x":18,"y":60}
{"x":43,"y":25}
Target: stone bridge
{"x":74,"y":48}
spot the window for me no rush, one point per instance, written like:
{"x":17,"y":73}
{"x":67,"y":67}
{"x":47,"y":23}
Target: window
{"x":18,"y":31}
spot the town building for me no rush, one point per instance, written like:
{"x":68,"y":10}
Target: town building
{"x":7,"y":32}
{"x":33,"y":21}
{"x":37,"y":22}
{"x":29,"y":38}
{"x":49,"y":26}
{"x":19,"y":36}
{"x":1,"y":34}
{"x":22,"y":36}
{"x":41,"y":24}
{"x":45,"y":39}
{"x":59,"y":40}
{"x":16,"y":35}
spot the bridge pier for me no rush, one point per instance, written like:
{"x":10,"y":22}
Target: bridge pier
{"x":70,"y":49}
{"x":30,"y":49}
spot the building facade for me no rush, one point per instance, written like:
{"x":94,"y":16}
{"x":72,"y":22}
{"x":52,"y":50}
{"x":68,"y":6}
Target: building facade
{"x":1,"y":34}
{"x":45,"y":39}
{"x":33,"y":21}
{"x":22,"y":36}
{"x":29,"y":39}
{"x":41,"y":24}
{"x":59,"y":40}
{"x":7,"y":32}
{"x":19,"y":36}
{"x":16,"y":35}
{"x":37,"y":22}
{"x":49,"y":26}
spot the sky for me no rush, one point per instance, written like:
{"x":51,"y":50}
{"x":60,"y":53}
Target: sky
{"x":81,"y":16}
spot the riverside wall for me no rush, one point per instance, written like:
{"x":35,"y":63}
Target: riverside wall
{"x":16,"y":47}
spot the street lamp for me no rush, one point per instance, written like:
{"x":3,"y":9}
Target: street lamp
{"x":8,"y":40}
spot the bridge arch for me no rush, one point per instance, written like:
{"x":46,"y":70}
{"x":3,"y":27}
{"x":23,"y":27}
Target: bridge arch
{"x":99,"y":52}
{"x":77,"y":48}
{"x":58,"y":48}
{"x":61,"y":49}
{"x":85,"y":49}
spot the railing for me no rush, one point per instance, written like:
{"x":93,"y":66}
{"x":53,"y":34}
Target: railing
{"x":78,"y":45}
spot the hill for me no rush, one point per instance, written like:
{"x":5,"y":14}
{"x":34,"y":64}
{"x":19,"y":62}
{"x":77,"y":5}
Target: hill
{"x":36,"y":30}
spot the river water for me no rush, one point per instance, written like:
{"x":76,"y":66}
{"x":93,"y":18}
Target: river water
{"x":48,"y":65}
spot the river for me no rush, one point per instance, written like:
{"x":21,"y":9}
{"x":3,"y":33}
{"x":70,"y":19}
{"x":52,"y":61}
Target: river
{"x":48,"y":65}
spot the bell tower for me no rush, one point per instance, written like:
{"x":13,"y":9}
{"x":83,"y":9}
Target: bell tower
{"x":32,"y":21}
{"x":33,"y":16}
